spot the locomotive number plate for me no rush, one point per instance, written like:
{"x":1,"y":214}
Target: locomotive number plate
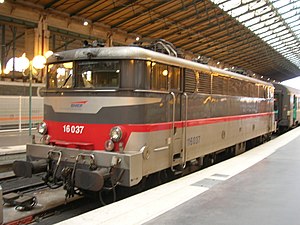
{"x":193,"y":140}
{"x":73,"y":129}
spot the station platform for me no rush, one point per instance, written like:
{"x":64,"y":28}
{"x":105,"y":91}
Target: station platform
{"x":260,"y":186}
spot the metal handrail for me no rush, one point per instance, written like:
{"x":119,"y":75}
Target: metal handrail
{"x":173,"y":129}
{"x":185,"y":126}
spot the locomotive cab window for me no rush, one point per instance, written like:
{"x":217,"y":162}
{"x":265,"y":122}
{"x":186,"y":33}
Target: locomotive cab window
{"x":98,"y":74}
{"x":60,"y":75}
{"x":84,"y":74}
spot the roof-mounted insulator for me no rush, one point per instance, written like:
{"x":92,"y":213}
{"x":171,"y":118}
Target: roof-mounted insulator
{"x":95,"y":44}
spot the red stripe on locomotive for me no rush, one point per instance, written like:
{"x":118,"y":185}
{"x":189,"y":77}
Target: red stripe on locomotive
{"x":93,"y":136}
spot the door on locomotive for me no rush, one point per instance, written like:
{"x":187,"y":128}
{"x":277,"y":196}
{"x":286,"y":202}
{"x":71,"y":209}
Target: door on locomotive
{"x":278,"y":106}
{"x":169,"y":78}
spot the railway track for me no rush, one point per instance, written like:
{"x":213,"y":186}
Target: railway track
{"x":50,"y":205}
{"x":20,"y":184}
{"x":8,"y":154}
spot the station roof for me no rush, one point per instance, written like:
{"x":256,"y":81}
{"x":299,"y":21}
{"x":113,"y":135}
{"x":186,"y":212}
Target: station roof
{"x":257,"y":35}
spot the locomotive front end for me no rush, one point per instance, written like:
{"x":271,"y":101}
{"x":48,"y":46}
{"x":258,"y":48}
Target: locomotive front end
{"x":84,"y":132}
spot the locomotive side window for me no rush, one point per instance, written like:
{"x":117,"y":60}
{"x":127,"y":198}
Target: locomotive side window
{"x":60,"y":75}
{"x":164,"y":77}
{"x":98,"y":74}
{"x":159,"y":77}
{"x":174,"y":78}
{"x":134,"y":74}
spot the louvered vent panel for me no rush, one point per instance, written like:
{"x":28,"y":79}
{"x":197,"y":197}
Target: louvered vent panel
{"x":245,"y":88}
{"x":225,"y":86}
{"x":217,"y":83}
{"x":261,"y":92}
{"x":252,"y":90}
{"x":205,"y":83}
{"x":235,"y":87}
{"x":190,"y":81}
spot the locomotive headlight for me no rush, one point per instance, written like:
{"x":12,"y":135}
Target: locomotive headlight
{"x":42,"y":128}
{"x":46,"y":139}
{"x":109,"y":145}
{"x":116,"y":134}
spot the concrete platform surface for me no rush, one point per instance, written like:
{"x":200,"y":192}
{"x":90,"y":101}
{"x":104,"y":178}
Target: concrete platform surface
{"x":260,"y":186}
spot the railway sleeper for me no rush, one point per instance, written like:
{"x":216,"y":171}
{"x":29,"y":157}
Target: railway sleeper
{"x":9,"y":199}
{"x":25,"y":203}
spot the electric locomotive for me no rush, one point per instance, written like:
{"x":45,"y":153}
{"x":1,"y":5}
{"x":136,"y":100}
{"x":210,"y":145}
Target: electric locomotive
{"x":115,"y":115}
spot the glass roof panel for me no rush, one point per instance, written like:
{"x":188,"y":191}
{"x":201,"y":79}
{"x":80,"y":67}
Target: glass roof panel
{"x":230,"y":4}
{"x":280,"y":34}
{"x":277,"y":22}
{"x":275,"y":25}
{"x":239,"y":11}
{"x":251,"y":22}
{"x":287,"y":37}
{"x":295,"y":23}
{"x":269,"y":37}
{"x":277,"y":30}
{"x":269,"y":22}
{"x":256,"y":26}
{"x":262,"y":30}
{"x":293,"y":19}
{"x":246,"y":16}
{"x":266,"y":34}
{"x":267,"y":16}
{"x":256,"y":4}
{"x":279,"y":4}
{"x":285,"y":9}
{"x":288,"y":40}
{"x":274,"y":40}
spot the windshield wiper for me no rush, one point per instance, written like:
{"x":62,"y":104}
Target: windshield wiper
{"x":66,"y":81}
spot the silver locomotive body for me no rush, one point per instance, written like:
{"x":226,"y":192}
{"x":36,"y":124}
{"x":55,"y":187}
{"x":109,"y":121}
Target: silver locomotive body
{"x":116,"y":115}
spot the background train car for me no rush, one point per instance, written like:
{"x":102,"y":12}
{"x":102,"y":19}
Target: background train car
{"x":114,"y":116}
{"x":287,"y":107}
{"x":14,"y":105}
